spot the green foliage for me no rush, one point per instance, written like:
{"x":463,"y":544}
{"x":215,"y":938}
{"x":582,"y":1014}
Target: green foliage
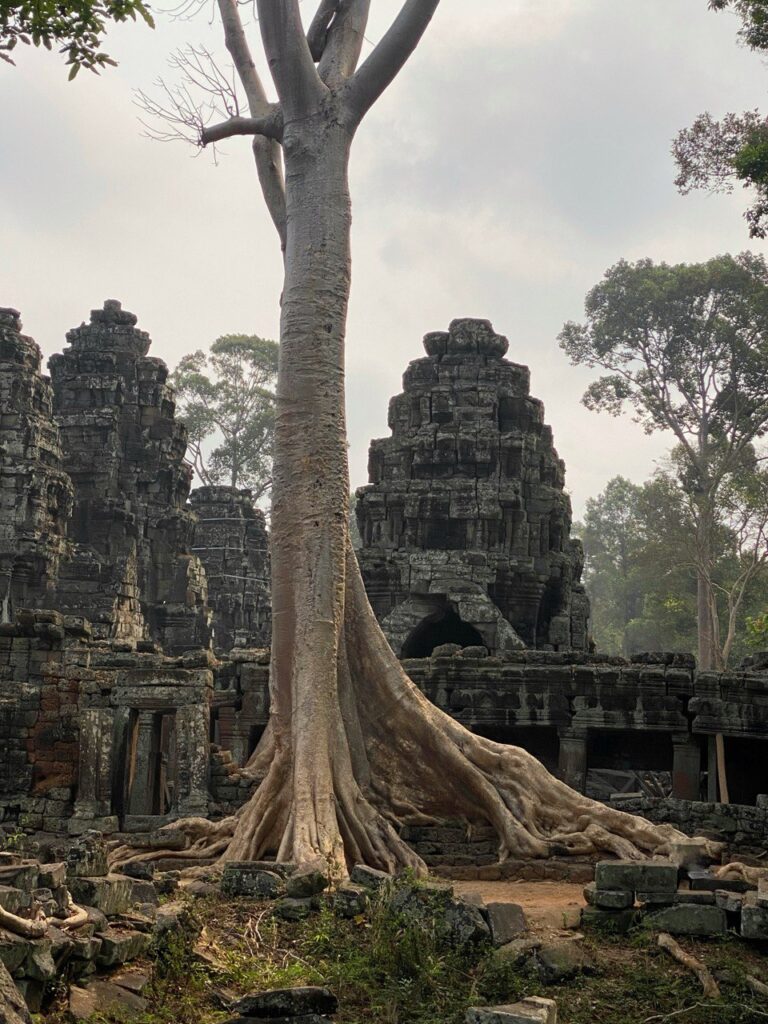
{"x":686,"y":349}
{"x":75,"y":27}
{"x":640,"y":572}
{"x":754,"y":20}
{"x":227,"y":397}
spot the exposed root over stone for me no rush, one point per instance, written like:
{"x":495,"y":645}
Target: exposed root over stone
{"x":345,"y":765}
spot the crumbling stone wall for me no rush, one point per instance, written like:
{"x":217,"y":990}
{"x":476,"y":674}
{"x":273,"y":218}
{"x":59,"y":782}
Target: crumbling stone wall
{"x":97,"y":733}
{"x":232,"y":543}
{"x":131,"y":569}
{"x":466,"y":505}
{"x":743,"y":828}
{"x":35,"y":492}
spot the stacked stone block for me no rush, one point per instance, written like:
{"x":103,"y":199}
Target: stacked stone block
{"x":678,"y":896}
{"x":467,"y":499}
{"x":232,"y":543}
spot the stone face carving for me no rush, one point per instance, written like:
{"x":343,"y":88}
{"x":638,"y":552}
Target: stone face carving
{"x":131,"y":570}
{"x":232,"y":543}
{"x":35,"y":492}
{"x":465,"y":524}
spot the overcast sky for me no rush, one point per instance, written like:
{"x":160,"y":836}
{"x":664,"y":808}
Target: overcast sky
{"x":523,"y":151}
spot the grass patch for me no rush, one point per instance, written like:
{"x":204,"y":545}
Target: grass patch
{"x":392,"y":966}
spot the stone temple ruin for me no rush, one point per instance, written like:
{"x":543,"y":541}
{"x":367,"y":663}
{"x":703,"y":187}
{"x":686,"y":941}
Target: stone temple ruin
{"x":134,"y":615}
{"x":465,"y":524}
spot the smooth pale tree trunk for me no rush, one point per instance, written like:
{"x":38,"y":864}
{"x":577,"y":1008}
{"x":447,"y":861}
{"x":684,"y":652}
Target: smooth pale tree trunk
{"x":709,"y":653}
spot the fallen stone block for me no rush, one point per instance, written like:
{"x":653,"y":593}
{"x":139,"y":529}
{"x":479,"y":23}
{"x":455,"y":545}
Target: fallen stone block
{"x":23,"y":875}
{"x":558,"y":961}
{"x":32,"y":992}
{"x":87,"y":856}
{"x":118,"y":946}
{"x":52,"y":876}
{"x":144,"y":891}
{"x":369,"y":878}
{"x":762,"y":892}
{"x":636,"y":876}
{"x":111,"y":894}
{"x":240,"y":878}
{"x":351,"y":900}
{"x":506,"y":922}
{"x":608,"y":899}
{"x":688,"y":919}
{"x":307,"y":881}
{"x":13,"y":950}
{"x":463,"y":923}
{"x":176,"y":917}
{"x":14,"y":900}
{"x":533,"y":1010}
{"x":287,"y":1002}
{"x":39,"y":963}
{"x":730,"y":902}
{"x":518,"y":950}
{"x":105,"y":998}
{"x":754,"y":920}
{"x":13,"y":1008}
{"x":703,"y":880}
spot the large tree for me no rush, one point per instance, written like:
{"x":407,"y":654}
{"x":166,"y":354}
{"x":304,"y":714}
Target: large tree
{"x":227,"y":401}
{"x":715,"y":155}
{"x":686,"y":347}
{"x":352,"y":747}
{"x":75,"y":27}
{"x":641,"y":564}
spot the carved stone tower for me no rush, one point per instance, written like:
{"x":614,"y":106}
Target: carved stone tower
{"x":35,"y":492}
{"x":465,"y":524}
{"x":132,"y":571}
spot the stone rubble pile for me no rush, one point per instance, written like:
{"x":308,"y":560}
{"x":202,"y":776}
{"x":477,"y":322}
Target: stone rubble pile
{"x":679,"y":898}
{"x":74,"y":918}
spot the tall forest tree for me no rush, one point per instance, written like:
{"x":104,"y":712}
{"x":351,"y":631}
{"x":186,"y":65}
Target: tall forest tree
{"x":715,"y":155}
{"x":686,"y":347}
{"x":227,"y":401}
{"x":352,"y":748}
{"x":640,"y":565}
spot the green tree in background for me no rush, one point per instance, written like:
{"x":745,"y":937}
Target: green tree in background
{"x":715,"y":155}
{"x":228,"y":397}
{"x":686,"y":347}
{"x":75,"y":27}
{"x":641,"y":572}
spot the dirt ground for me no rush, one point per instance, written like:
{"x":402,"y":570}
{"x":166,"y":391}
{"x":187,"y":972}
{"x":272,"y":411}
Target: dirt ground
{"x":550,"y":907}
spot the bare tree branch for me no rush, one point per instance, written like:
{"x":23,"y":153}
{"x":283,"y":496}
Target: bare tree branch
{"x":344,"y":42}
{"x":269,"y":126}
{"x":317,"y":33}
{"x":389,"y":55}
{"x":298,"y":84}
{"x":266,"y":151}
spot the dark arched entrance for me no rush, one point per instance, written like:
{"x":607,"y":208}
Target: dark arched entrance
{"x":442,"y":627}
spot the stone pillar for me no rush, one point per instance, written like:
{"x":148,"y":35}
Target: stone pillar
{"x":572,"y":760}
{"x":93,"y":806}
{"x":193,"y":759}
{"x":686,"y":767}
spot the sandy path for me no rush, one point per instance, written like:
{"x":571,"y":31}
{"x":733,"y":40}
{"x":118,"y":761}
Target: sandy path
{"x":548,"y":906}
